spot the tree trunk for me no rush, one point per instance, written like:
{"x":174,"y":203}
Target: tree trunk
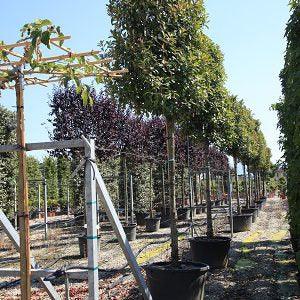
{"x":182,"y":187}
{"x":250,"y":186}
{"x":210,"y":232}
{"x":164,"y":210}
{"x":237,"y":186}
{"x":173,"y":214}
{"x":151,"y":194}
{"x":125,"y":190}
{"x":196,"y":184}
{"x":246,"y":187}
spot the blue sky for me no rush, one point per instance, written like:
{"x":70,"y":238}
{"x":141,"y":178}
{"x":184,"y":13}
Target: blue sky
{"x":250,"y":34}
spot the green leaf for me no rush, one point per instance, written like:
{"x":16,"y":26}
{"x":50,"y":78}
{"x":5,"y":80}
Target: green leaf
{"x":45,"y":38}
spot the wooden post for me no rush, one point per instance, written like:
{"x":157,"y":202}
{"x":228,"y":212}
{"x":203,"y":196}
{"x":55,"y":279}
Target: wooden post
{"x":91,"y":219}
{"x":45,"y":208}
{"x":23,"y":208}
{"x":190,"y":187}
{"x":131,"y":200}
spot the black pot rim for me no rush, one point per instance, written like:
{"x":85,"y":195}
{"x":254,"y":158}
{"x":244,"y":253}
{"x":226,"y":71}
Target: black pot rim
{"x":215,"y":239}
{"x":130,"y":225}
{"x":242,"y":215}
{"x":158,"y":266}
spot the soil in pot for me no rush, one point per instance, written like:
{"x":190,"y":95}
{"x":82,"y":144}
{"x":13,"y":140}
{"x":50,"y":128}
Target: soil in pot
{"x":152,"y":224}
{"x":185,"y":281}
{"x":252,"y":211}
{"x":183,"y":213}
{"x":212,"y":251}
{"x":140,"y":218}
{"x":242,"y":222}
{"x":82,"y":241}
{"x":130,"y":231}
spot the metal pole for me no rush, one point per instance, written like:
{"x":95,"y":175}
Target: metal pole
{"x":230,"y":203}
{"x":131,"y":199}
{"x":23,"y":207}
{"x":91,"y":218}
{"x":45,"y":208}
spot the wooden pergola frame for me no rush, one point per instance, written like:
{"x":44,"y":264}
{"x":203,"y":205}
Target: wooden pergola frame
{"x":20,"y":71}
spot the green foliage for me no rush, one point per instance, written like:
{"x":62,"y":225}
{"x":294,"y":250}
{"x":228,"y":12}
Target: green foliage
{"x":63,"y":174}
{"x":160,"y":43}
{"x":33,"y":173}
{"x":71,"y":69}
{"x":288,"y":110}
{"x":7,"y":161}
{"x":49,"y":169}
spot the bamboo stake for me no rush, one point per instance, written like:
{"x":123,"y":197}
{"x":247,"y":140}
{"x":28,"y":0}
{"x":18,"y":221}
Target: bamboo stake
{"x":23,"y":209}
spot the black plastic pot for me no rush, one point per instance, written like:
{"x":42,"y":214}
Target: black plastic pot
{"x":212,"y":251}
{"x":140,"y":218}
{"x":183,"y":282}
{"x":298,"y":279}
{"x":164,"y":221}
{"x":130,"y":231}
{"x":79,"y":219}
{"x":295,"y":241}
{"x":252,"y":207}
{"x":198,"y":209}
{"x":183,"y":213}
{"x":242,"y":223}
{"x":218,"y":202}
{"x":259,"y":204}
{"x":82,"y":242}
{"x":152,"y":224}
{"x":252,"y":211}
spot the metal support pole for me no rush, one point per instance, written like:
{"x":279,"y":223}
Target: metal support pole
{"x":119,"y":231}
{"x":131,"y":200}
{"x":45,"y":209}
{"x":230,"y":203}
{"x":23,"y":207}
{"x":91,"y":219}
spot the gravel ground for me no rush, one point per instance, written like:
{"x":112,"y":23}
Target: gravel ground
{"x":261,"y":262}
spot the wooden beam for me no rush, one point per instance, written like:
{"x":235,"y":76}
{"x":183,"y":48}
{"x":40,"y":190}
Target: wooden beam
{"x":78,"y":274}
{"x":26,"y":43}
{"x":64,"y":144}
{"x":70,"y":55}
